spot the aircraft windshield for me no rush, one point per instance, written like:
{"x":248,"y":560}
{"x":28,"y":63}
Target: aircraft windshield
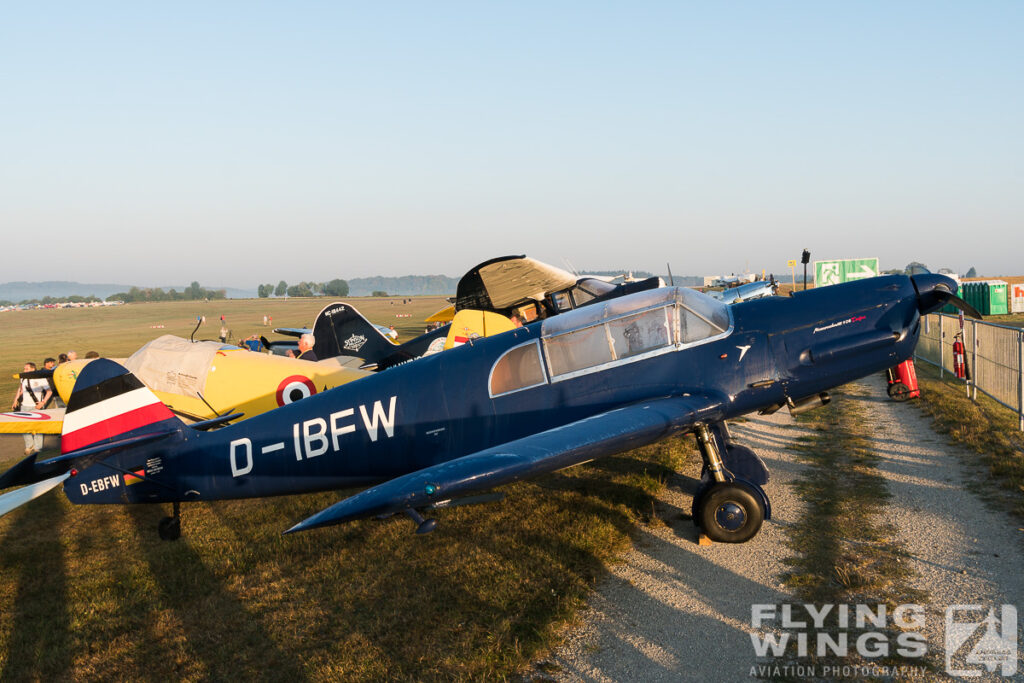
{"x":590,"y":288}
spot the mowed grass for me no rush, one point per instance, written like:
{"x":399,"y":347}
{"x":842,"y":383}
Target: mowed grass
{"x":118,"y":331}
{"x":91,"y":593}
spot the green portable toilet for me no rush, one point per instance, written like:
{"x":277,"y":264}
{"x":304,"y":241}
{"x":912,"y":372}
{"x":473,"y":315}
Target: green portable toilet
{"x":997,"y":298}
{"x":988,"y":296}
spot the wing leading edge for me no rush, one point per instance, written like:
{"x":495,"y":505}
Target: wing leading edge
{"x":608,"y":433}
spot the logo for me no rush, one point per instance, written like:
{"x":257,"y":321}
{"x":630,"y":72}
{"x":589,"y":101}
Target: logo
{"x":355,"y":342}
{"x":791,"y":639}
{"x":977,"y":638}
{"x":854,"y":319}
{"x":830,"y":273}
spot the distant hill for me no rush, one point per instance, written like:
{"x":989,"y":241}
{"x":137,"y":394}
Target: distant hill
{"x":407,"y":285}
{"x":24,"y":291}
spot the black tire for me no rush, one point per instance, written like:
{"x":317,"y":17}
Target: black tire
{"x":899,"y":391}
{"x":169,"y":528}
{"x":730,"y":513}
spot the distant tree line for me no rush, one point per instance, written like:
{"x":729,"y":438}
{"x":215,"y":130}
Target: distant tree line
{"x":73,"y":299}
{"x":191,"y":293}
{"x":336,"y":287}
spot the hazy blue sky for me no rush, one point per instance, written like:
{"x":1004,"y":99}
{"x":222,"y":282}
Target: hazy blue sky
{"x":238,"y":143}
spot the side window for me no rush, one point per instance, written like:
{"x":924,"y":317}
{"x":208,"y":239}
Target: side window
{"x":693,"y":327}
{"x":635,"y":334}
{"x":578,"y":350}
{"x":519,"y":368}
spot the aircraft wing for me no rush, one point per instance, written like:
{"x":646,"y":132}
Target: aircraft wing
{"x":608,"y":433}
{"x":292,"y":331}
{"x":32,"y":421}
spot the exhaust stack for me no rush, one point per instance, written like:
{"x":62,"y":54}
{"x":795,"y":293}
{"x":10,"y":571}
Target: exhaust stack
{"x":809,"y":403}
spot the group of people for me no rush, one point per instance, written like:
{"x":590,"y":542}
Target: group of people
{"x":40,"y":393}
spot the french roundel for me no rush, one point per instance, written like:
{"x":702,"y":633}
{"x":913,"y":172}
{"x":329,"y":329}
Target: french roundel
{"x":294,"y":388}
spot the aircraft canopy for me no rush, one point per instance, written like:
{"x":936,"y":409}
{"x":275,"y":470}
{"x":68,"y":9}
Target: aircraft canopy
{"x":698,"y":307}
{"x":174,"y":365}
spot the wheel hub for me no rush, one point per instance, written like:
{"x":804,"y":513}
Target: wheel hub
{"x":730,"y":516}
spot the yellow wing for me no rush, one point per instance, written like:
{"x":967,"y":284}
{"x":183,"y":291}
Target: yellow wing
{"x":32,"y":421}
{"x":442,"y":316}
{"x":469,"y":324}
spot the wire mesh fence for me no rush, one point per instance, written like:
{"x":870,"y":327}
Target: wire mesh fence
{"x":994,"y":356}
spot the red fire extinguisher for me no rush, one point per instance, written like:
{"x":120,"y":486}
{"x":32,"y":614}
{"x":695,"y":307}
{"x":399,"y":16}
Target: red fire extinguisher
{"x":958,"y":357}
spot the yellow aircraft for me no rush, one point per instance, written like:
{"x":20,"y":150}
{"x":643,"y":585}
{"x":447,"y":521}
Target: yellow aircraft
{"x":202,"y":381}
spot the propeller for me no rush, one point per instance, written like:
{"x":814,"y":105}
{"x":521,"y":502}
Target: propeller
{"x":935,"y":291}
{"x":947,"y":297}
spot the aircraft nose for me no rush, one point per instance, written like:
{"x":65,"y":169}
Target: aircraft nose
{"x":927,"y":282}
{"x":935,"y":291}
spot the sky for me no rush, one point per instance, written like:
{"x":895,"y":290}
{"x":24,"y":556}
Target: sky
{"x":235,"y":143}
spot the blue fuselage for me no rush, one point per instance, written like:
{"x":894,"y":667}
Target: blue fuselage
{"x":438,"y":408}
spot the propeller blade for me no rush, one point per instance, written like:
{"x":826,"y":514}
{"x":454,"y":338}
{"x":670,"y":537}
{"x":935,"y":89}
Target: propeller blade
{"x":35,"y":374}
{"x":950,"y":298}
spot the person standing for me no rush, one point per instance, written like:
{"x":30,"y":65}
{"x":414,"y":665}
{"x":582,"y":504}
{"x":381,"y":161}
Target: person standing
{"x":32,"y":394}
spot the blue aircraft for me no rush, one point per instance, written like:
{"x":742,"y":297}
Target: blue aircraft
{"x":591,"y":382}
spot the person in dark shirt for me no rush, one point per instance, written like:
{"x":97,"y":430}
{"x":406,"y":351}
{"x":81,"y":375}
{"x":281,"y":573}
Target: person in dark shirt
{"x":306,"y":343}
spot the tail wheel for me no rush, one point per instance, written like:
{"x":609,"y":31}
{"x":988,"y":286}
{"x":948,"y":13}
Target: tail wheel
{"x":899,"y":391}
{"x":730,"y":513}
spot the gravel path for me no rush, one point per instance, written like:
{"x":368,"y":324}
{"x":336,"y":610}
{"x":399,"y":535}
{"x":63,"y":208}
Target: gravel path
{"x":963,"y":551}
{"x":677,"y":611}
{"x":674,"y":610}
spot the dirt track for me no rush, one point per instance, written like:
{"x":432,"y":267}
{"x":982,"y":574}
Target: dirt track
{"x":674,"y":610}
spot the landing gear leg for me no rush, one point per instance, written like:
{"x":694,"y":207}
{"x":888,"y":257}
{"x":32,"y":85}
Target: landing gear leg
{"x":709,"y":452}
{"x":169,"y":528}
{"x":727,"y":510}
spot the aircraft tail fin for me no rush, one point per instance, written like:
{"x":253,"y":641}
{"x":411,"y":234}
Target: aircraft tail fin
{"x":111,"y":404}
{"x":341,"y":330}
{"x":110,"y":415}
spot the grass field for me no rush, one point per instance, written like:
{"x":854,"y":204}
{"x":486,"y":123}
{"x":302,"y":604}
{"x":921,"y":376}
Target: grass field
{"x":117,"y":331}
{"x":90,"y":592}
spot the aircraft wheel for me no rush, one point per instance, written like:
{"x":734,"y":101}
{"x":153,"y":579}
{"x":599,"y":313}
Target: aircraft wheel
{"x":730,"y":513}
{"x":169,"y":528}
{"x":899,"y":391}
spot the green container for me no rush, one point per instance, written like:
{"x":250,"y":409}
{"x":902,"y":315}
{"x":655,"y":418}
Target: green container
{"x":988,"y":296}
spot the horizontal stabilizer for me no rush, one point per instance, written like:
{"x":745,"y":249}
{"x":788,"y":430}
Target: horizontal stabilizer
{"x":593,"y":437}
{"x":18,"y":497}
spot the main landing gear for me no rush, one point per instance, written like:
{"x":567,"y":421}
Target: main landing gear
{"x":729,"y":505}
{"x":169,"y":528}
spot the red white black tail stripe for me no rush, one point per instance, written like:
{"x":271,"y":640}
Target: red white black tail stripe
{"x":114,"y":405}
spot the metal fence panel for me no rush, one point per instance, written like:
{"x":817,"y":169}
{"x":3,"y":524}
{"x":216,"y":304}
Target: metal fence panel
{"x":994,"y":355}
